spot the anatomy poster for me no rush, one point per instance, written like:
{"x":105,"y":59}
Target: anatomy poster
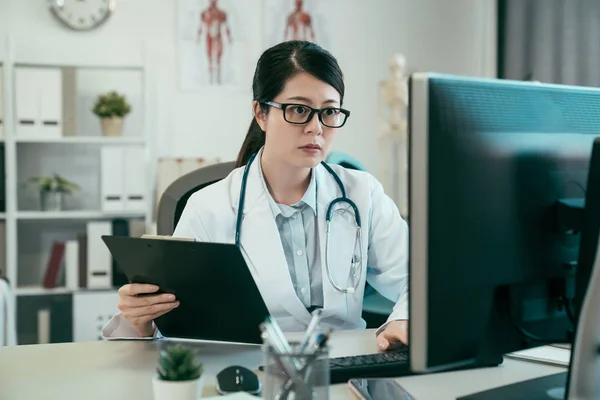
{"x":297,"y":19}
{"x":211,"y":47}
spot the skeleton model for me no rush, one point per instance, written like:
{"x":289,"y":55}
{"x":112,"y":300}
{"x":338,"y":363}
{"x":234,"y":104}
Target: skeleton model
{"x":392,"y":136}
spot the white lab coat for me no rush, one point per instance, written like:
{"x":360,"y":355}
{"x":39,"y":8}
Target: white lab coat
{"x":210,"y":215}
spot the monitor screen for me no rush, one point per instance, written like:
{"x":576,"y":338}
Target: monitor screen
{"x":488,"y":162}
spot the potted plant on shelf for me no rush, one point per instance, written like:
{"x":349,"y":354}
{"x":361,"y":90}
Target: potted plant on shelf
{"x":179,"y":377}
{"x":52,"y":190}
{"x":111,"y":107}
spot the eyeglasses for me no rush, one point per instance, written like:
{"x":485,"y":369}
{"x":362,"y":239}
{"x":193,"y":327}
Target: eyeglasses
{"x":331,"y":117}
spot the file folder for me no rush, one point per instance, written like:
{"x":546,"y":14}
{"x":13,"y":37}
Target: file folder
{"x":112,"y":179}
{"x":49,"y":86}
{"x":99,"y":261}
{"x":26,"y":102}
{"x":219,"y":299}
{"x":136,"y":181}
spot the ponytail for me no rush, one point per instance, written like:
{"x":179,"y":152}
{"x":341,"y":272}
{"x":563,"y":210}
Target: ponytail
{"x":255,"y":139}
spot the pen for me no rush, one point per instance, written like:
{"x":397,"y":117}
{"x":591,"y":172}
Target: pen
{"x":312,"y":326}
{"x":279,"y":333}
{"x":321,"y":341}
{"x":278,"y":341}
{"x":271,"y":336}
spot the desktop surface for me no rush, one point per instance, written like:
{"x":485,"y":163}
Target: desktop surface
{"x":124,"y":369}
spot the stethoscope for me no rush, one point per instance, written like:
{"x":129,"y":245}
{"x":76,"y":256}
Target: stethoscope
{"x":356,"y":260}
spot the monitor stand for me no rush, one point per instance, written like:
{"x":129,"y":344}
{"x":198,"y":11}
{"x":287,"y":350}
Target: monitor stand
{"x":581,"y":380}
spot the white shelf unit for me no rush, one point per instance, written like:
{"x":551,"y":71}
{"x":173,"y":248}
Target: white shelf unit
{"x":77,"y":157}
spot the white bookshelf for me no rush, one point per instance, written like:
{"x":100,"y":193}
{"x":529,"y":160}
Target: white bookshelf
{"x":74,"y":157}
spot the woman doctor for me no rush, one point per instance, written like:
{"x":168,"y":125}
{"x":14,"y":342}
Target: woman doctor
{"x":276,"y":206}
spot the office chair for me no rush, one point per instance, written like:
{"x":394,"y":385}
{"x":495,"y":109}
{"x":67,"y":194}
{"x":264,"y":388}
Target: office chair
{"x":173,"y":200}
{"x":345,"y":160}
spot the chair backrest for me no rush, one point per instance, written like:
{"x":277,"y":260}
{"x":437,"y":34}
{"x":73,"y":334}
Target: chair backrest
{"x":345,"y":160}
{"x":175,"y":197}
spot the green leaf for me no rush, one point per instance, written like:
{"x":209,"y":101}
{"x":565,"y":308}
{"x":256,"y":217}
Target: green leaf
{"x":178,"y":363}
{"x":110,"y":105}
{"x":54,"y":183}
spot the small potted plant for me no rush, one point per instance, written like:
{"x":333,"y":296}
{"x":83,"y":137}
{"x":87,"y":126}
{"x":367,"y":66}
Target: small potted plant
{"x":111,"y":107}
{"x":179,"y":377}
{"x":52,"y":190}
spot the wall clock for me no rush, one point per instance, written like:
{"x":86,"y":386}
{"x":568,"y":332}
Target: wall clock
{"x":82,"y":15}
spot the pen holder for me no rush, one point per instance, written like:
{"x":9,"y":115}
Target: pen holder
{"x":295,"y":376}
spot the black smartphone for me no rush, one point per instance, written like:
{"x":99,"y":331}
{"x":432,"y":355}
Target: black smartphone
{"x":378,"y":389}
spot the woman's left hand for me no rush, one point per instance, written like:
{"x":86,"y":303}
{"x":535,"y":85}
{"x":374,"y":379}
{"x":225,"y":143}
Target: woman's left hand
{"x":394,"y":334}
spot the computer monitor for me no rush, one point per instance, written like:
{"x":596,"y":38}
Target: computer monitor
{"x":489,"y":161}
{"x":588,"y":249}
{"x":590,"y":231}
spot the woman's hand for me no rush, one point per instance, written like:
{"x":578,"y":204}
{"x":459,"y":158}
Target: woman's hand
{"x":140,"y":311}
{"x":394,"y":335}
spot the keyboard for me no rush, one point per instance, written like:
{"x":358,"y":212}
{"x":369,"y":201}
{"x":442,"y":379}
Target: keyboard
{"x":392,"y":363}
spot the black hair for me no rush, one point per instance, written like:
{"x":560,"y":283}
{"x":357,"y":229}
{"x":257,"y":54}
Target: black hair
{"x":274,"y":68}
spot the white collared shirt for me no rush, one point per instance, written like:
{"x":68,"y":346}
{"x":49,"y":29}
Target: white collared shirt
{"x":300,"y":237}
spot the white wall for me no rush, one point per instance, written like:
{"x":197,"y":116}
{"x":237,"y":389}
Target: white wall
{"x":456,"y":36}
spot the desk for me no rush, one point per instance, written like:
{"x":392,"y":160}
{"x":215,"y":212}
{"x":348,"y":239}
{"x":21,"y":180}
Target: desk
{"x":124,"y":369}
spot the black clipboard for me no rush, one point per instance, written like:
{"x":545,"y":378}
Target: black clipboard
{"x":219,"y":299}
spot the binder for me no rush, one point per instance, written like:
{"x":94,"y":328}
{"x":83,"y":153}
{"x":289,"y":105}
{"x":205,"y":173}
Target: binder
{"x":112,"y":180}
{"x":26,"y":102}
{"x":55,"y":265}
{"x":135,"y":178}
{"x":49,"y":90}
{"x":69,"y":101}
{"x":72,"y":264}
{"x":99,"y":260}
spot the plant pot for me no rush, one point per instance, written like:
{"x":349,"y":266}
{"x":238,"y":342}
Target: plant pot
{"x":51,"y":201}
{"x":112,"y":126}
{"x":177,"y":390}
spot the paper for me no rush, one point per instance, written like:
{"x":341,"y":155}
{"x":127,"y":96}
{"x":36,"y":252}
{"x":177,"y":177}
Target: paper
{"x":545,"y":354}
{"x":236,"y":396}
